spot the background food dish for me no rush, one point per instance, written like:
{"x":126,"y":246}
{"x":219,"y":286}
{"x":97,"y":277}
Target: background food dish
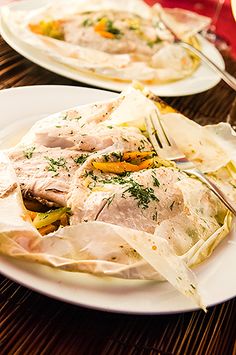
{"x":202,"y":79}
{"x":87,"y":290}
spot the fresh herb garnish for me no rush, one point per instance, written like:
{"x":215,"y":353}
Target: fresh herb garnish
{"x":55,"y":164}
{"x":125,"y":173}
{"x":154,"y":216}
{"x":115,"y":180}
{"x":106,"y":157}
{"x":67,"y":117}
{"x":133,"y":27}
{"x":114,"y":30}
{"x":142,"y":145}
{"x":144,"y":195}
{"x":87,"y":22}
{"x":28,"y":153}
{"x":110,"y":199}
{"x":155,"y":181}
{"x":81,"y":159}
{"x":172,"y":205}
{"x":117,"y":155}
{"x":152,"y":43}
{"x":90,"y":174}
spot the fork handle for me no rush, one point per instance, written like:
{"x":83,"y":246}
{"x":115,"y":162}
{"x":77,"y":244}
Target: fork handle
{"x":224,"y":75}
{"x":225,"y":199}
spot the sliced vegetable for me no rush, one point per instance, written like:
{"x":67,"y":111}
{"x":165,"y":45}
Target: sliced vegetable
{"x":128,"y":156}
{"x":148,"y":163}
{"x":48,"y":28}
{"x":121,"y":167}
{"x":44,"y":219}
{"x":106,"y":34}
{"x":32,"y":214}
{"x":115,"y":167}
{"x":105,"y":28}
{"x":47,"y":229}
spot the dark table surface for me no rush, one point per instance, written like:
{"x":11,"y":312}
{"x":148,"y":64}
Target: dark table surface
{"x":31,"y":323}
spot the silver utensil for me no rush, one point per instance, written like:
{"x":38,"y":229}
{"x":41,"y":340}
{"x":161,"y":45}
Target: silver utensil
{"x":224,"y":75}
{"x":166,"y":148}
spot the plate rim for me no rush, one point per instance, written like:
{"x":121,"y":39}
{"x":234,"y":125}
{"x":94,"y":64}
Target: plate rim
{"x":87,"y":78}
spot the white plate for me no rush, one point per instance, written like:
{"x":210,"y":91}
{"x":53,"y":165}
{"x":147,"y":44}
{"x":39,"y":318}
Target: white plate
{"x":202,"y":79}
{"x":19,"y":108}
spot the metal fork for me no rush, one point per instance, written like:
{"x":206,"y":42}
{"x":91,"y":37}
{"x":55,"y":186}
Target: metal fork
{"x":166,"y":148}
{"x":223,"y":74}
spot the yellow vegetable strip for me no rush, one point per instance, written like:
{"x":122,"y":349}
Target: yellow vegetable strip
{"x":146,"y":164}
{"x":115,"y":167}
{"x":101,"y":27}
{"x":47,"y":229}
{"x":44,"y":219}
{"x":136,"y":155}
{"x":121,"y":167}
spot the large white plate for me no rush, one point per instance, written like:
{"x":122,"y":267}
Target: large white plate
{"x":202,"y":79}
{"x":19,"y":108}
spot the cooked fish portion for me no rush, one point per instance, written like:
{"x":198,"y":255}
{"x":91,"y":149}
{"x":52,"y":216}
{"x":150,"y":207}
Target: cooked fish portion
{"x":45,"y":174}
{"x":73,"y":119}
{"x":140,"y":200}
{"x":114,"y":32}
{"x":93,"y":138}
{"x":76,"y":132}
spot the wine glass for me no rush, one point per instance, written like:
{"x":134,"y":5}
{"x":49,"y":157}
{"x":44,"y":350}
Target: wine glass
{"x":210,"y":32}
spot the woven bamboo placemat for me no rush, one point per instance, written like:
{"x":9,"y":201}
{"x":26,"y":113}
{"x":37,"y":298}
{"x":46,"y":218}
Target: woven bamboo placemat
{"x":34,"y":324}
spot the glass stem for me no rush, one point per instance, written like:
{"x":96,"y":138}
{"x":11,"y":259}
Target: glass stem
{"x":219,"y":5}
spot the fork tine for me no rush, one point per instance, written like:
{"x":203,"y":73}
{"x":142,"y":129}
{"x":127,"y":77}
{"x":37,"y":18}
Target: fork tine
{"x":159,"y":131}
{"x":169,"y":139}
{"x":152,"y":136}
{"x":163,"y":144}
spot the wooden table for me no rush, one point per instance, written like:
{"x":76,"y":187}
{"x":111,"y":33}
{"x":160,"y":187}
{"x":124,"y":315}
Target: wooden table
{"x":31,"y":323}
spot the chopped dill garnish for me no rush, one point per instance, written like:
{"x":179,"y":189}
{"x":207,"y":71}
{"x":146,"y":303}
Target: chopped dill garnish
{"x":106,"y":157}
{"x":154,"y":216}
{"x":115,"y":180}
{"x":109,"y":200}
{"x":87,"y":22}
{"x":155,"y":181}
{"x":125,"y":173}
{"x":172,"y":205}
{"x":144,"y":195}
{"x":81,"y":159}
{"x":114,"y":30}
{"x":152,"y":43}
{"x":65,"y":116}
{"x":133,"y":27}
{"x":142,"y":145}
{"x":55,"y":164}
{"x":110,"y":127}
{"x":117,"y":155}
{"x":90,"y":174}
{"x":28,"y":153}
{"x":124,"y":139}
